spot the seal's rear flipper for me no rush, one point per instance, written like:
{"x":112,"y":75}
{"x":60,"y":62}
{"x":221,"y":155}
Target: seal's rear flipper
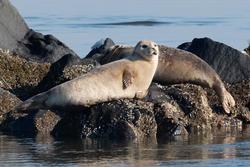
{"x":227,"y":102}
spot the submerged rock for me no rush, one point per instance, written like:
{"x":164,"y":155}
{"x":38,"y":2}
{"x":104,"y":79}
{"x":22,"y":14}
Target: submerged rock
{"x":232,"y":65}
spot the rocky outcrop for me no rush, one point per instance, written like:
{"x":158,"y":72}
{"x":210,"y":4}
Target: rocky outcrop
{"x":171,"y":110}
{"x":8,"y":102}
{"x":240,"y":92}
{"x":20,"y":76}
{"x":65,"y":69}
{"x":232,"y":65}
{"x":12,"y":26}
{"x":166,"y":111}
{"x":17,"y":37}
{"x":42,"y":48}
{"x":27,"y":78}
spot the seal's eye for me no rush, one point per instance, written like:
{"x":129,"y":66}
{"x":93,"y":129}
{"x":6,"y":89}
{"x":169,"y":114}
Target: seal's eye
{"x":144,"y":46}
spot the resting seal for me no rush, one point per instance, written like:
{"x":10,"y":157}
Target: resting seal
{"x":178,"y":66}
{"x":127,"y":78}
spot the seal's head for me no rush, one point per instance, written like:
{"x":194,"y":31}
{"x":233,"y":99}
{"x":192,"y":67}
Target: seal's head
{"x":147,"y":49}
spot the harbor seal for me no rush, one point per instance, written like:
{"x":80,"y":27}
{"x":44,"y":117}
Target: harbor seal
{"x":178,"y":66}
{"x":126,"y":78}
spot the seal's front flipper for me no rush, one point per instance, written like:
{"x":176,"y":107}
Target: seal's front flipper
{"x":141,"y":94}
{"x":127,"y":79}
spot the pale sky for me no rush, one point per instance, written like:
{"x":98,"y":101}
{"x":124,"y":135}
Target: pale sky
{"x":213,"y":8}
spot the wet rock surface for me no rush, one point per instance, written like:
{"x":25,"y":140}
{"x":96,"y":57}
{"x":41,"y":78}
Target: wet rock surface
{"x":237,"y":66}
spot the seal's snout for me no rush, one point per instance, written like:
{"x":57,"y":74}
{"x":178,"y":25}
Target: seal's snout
{"x":153,"y":51}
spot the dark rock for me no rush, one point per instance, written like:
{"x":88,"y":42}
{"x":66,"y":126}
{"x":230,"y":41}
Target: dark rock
{"x":232,"y":65}
{"x":65,"y":69}
{"x":42,"y":48}
{"x":187,"y":111}
{"x":16,"y":36}
{"x":100,"y":47}
{"x":39,"y":122}
{"x":26,"y":78}
{"x":118,"y":120}
{"x":247,"y":50}
{"x":167,"y":111}
{"x":185,"y":46}
{"x":121,"y":119}
{"x":8,"y":102}
{"x":12,"y":26}
{"x":20,"y":76}
{"x":240,"y":92}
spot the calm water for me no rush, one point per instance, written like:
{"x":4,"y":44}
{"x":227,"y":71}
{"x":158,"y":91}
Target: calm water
{"x":81,"y":23}
{"x":223,"y":149}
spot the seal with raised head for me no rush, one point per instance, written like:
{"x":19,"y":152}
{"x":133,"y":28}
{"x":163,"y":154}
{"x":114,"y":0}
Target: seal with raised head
{"x":178,"y":66}
{"x":127,"y":78}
